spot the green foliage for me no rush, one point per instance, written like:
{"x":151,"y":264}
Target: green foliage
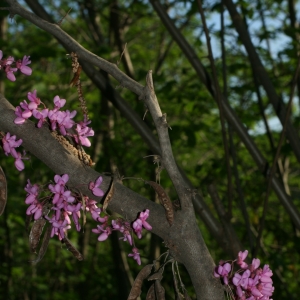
{"x":196,"y":138}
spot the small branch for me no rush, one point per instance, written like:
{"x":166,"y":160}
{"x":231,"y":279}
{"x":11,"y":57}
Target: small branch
{"x":161,"y":125}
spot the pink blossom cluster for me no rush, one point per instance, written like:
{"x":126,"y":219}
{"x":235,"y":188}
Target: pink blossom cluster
{"x":58,"y":119}
{"x":6,"y":64}
{"x":64,"y":203}
{"x":104,"y":230}
{"x":9,"y":143}
{"x":250,"y":282}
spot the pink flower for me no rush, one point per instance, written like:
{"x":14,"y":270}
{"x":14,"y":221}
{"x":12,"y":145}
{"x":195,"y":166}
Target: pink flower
{"x":18,"y":112}
{"x":10,"y":73}
{"x":83,"y":132}
{"x":241,"y":280}
{"x":19,"y":163}
{"x":93,"y":186}
{"x":41,"y":116}
{"x":223,"y":271}
{"x":34,"y":100}
{"x":136,"y":255}
{"x":32,"y":191}
{"x":36,"y":209}
{"x":59,"y":103}
{"x":64,"y":120}
{"x":255,"y":264}
{"x":137,"y":227}
{"x":241,"y":258}
{"x":140,"y":222}
{"x":59,"y":228}
{"x":22,"y":65}
{"x":75,"y":210}
{"x":143,"y":216}
{"x":10,"y":143}
{"x":104,"y":233}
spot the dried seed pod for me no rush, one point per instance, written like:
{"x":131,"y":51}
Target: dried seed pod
{"x":109,"y":195}
{"x":164,"y":201}
{"x":72,"y":249}
{"x":3,"y":191}
{"x":76,"y":77}
{"x":44,"y":245}
{"x":36,"y":233}
{"x":37,"y":228}
{"x":157,"y":275}
{"x":137,"y":285}
{"x":159,"y":291}
{"x":151,"y":293}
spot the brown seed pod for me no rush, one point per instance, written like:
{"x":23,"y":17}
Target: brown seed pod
{"x":109,"y":195}
{"x":36,"y":233}
{"x":137,"y":285}
{"x":3,"y":191}
{"x":37,"y":228}
{"x":164,"y":201}
{"x":72,"y":249}
{"x":44,"y":245}
{"x":159,"y":291}
{"x":157,"y":275}
{"x":151,"y":293}
{"x":76,"y":77}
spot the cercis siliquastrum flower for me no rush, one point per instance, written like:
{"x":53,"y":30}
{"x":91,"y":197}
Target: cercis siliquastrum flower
{"x":249,"y":282}
{"x":9,"y":65}
{"x":57,"y":119}
{"x":65,"y":204}
{"x":124,"y":227}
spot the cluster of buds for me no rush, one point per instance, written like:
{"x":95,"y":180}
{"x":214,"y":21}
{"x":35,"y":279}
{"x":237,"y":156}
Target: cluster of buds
{"x":9,"y":143}
{"x":64,"y":204}
{"x":250,"y":282}
{"x":6,"y":64}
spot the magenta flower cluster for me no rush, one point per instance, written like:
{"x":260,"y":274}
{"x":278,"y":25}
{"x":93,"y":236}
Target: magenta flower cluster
{"x":250,"y":282}
{"x":65,"y":204}
{"x":6,"y":64}
{"x":9,"y":143}
{"x":58,"y":119}
{"x":124,"y":227}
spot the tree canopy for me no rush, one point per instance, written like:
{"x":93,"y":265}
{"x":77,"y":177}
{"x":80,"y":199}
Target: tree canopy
{"x":218,"y":115}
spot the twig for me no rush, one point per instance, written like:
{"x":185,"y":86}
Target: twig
{"x":60,"y":21}
{"x":160,"y":121}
